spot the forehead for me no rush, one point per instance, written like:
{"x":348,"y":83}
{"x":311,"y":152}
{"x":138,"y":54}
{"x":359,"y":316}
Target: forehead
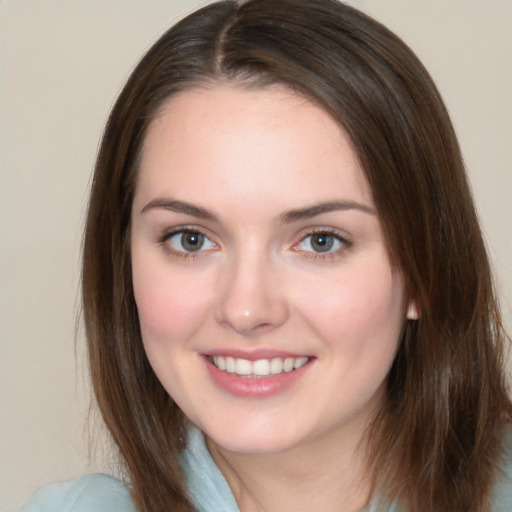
{"x":266,"y":144}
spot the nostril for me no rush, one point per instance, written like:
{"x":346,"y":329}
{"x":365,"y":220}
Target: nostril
{"x":246,"y":300}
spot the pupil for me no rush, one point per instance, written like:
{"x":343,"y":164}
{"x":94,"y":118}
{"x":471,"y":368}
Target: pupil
{"x":192,"y":241}
{"x":322,"y":242}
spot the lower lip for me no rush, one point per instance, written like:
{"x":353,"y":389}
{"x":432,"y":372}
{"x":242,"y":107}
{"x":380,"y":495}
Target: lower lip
{"x":254,"y":387}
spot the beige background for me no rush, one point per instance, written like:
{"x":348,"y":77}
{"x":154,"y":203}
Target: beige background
{"x":61,"y":66}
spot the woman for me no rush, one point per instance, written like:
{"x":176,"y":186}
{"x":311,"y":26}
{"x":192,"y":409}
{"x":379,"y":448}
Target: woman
{"x":287,"y":299}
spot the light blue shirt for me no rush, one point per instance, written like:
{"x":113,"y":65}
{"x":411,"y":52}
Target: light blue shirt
{"x":207,"y":486}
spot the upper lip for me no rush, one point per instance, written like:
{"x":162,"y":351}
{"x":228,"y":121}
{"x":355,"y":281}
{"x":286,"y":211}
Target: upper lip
{"x":254,"y":355}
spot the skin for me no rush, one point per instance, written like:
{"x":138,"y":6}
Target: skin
{"x":258,"y":282}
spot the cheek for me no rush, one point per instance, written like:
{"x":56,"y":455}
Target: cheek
{"x":360,"y":310}
{"x":168,"y":303}
{"x":359,"y":320}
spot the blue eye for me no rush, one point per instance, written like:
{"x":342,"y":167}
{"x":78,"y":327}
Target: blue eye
{"x":189,"y":241}
{"x":320,"y":243}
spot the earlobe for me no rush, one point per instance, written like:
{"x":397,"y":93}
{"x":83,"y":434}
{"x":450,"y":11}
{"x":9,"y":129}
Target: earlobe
{"x":412,"y":311}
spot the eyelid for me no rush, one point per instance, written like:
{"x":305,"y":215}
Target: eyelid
{"x":164,"y":237}
{"x":342,"y":237}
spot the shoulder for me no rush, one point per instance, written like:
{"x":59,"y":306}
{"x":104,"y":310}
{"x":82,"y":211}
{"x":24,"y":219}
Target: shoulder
{"x":95,"y":492}
{"x":503,"y":489}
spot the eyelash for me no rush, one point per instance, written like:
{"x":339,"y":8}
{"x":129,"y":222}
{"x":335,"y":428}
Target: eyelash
{"x":320,"y":256}
{"x":168,"y":234}
{"x":328,"y":255}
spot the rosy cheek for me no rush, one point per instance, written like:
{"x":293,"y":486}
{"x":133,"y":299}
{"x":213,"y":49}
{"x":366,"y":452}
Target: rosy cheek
{"x":359,"y":305}
{"x":168,"y":307}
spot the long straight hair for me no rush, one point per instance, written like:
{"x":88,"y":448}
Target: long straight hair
{"x":436,"y":442}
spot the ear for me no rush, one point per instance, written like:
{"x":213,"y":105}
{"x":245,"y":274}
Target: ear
{"x":412,"y":311}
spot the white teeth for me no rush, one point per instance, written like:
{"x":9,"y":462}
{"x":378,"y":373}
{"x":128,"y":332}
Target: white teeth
{"x":288,"y":364}
{"x":276,"y":366}
{"x":243,"y":367}
{"x":261,"y":367}
{"x":301,"y":361}
{"x":220,"y":362}
{"x":230,"y":365}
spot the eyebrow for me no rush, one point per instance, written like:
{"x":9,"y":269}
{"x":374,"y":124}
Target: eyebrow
{"x":325,"y":207}
{"x":286,"y":218}
{"x":181,"y":207}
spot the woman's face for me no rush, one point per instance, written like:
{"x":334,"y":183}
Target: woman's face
{"x":268,"y":306}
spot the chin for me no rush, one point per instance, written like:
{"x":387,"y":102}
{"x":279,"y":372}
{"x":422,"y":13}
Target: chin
{"x":253,"y":440}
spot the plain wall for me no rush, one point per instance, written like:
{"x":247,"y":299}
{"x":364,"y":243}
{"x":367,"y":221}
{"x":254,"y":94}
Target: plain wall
{"x":61,"y":66}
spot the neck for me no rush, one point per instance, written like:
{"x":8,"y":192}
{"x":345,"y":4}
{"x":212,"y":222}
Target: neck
{"x":313,"y":476}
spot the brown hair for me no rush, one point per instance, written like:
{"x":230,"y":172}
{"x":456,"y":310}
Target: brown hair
{"x":436,"y":443}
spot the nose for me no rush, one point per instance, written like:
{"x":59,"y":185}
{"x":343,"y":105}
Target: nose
{"x":251,"y":298}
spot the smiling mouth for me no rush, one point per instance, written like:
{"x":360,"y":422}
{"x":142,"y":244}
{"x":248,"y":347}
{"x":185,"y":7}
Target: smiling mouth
{"x":258,"y":368}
